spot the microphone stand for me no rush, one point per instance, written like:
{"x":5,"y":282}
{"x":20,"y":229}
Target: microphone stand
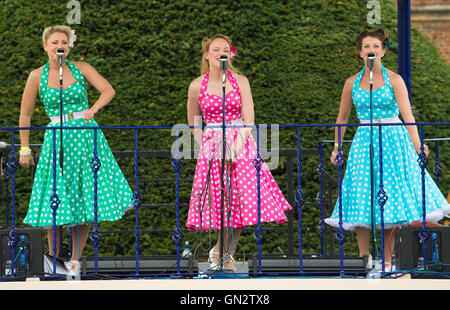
{"x":371,"y":155}
{"x":61,"y":151}
{"x":222,"y":193}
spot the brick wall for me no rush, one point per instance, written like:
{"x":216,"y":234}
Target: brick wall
{"x":432,"y":18}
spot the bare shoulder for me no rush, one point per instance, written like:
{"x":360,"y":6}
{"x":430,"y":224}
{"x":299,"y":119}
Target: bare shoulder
{"x":351,"y":79}
{"x":242,"y":81}
{"x":36,"y":73}
{"x":35,"y":76}
{"x":196,"y":84}
{"x":240,"y":78}
{"x":82,"y":66}
{"x":395,"y":78}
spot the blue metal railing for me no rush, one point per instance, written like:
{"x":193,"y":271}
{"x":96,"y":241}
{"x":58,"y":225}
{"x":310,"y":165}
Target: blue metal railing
{"x":259,"y":231}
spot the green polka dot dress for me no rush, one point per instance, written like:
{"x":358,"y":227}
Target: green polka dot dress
{"x":75,"y":186}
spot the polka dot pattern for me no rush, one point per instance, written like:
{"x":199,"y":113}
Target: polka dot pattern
{"x":402,"y":175}
{"x":241,"y":207}
{"x":75,"y":187}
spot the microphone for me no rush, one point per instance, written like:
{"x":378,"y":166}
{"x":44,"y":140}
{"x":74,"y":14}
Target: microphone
{"x":224,"y":62}
{"x":60,"y":55}
{"x":371,"y":64}
{"x":224,"y":68}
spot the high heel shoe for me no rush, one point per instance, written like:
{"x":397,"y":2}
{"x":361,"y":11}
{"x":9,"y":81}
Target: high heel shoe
{"x":212,"y":265}
{"x":233,"y":269}
{"x":73,"y":267}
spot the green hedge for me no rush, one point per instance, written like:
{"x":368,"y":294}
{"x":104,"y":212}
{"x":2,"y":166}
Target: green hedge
{"x":296,"y":55}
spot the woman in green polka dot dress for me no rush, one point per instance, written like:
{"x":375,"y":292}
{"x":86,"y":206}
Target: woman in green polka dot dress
{"x":75,"y":184}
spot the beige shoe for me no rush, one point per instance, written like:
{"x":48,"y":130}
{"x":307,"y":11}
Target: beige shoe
{"x":212,"y":265}
{"x":73,"y":267}
{"x":230,"y":259}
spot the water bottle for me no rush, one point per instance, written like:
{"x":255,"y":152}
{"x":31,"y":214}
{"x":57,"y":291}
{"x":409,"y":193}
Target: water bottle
{"x":23,"y":264}
{"x":434,"y":247}
{"x":186,"y":252}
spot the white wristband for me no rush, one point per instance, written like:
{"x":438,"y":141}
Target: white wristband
{"x":25,"y":152}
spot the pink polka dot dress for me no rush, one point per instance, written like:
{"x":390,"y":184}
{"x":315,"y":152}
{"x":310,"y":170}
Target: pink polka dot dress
{"x":240,"y":180}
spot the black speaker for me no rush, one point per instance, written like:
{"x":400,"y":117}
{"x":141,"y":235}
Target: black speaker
{"x":28,"y":255}
{"x":312,"y":265}
{"x":409,"y":249}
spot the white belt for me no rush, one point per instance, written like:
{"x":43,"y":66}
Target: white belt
{"x":67,"y":117}
{"x":393,"y":119}
{"x":238,"y":121}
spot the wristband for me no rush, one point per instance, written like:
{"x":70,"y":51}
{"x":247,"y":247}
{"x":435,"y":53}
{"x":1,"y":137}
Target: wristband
{"x":24,"y":148}
{"x":25,"y":152}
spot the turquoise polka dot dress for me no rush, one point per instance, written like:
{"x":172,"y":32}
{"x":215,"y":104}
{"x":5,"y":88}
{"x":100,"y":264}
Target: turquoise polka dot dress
{"x":75,"y":186}
{"x":402,"y":175}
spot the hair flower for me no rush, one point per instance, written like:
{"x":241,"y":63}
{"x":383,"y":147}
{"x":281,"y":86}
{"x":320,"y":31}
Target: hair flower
{"x":233,"y":51}
{"x":72,"y":39}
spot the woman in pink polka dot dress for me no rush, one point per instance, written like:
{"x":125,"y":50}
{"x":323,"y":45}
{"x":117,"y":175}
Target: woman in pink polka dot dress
{"x":240,"y":180}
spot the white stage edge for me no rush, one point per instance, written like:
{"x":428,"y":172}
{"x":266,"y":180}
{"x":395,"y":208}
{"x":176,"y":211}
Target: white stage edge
{"x":273,"y":284}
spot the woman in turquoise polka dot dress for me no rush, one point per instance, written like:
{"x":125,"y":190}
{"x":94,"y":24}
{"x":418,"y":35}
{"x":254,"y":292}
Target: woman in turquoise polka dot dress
{"x":400,"y":147}
{"x":75,"y":184}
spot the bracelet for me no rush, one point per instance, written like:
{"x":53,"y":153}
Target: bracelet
{"x":24,"y":148}
{"x":334,"y":153}
{"x":336,"y":144}
{"x":25,"y":152}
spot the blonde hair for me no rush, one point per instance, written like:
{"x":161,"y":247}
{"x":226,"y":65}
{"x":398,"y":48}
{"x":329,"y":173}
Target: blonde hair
{"x":52,"y":29}
{"x":206,"y":42}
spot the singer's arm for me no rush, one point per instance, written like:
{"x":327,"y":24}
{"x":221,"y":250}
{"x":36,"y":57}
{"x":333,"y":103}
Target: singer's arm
{"x":345,"y":108}
{"x":193,"y":110}
{"x":105,"y":89}
{"x":248,"y":115}
{"x":29,"y":96}
{"x":401,"y":95}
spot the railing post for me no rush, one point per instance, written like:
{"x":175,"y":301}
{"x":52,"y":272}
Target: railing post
{"x":259,"y":234}
{"x":424,"y":232}
{"x":13,"y":237}
{"x":340,"y":234}
{"x":299,"y":201}
{"x":437,"y":167}
{"x":381,"y":195}
{"x":96,"y":236}
{"x":177,"y":236}
{"x":321,"y":197}
{"x":137,"y":199}
{"x":54,"y":201}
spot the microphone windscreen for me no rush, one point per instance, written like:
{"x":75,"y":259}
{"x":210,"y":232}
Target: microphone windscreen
{"x":371,"y":60}
{"x":60,"y":54}
{"x":224,"y":62}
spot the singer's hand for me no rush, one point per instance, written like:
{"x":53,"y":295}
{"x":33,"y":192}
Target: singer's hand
{"x":425,"y":149}
{"x":333,"y":157}
{"x":238,"y":147}
{"x":26,"y":161}
{"x":89,"y":114}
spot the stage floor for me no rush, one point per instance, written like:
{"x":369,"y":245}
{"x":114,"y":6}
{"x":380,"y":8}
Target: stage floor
{"x":241,"y":284}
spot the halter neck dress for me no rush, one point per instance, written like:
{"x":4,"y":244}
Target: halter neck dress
{"x":75,"y":186}
{"x":402,"y":175}
{"x":240,"y":206}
